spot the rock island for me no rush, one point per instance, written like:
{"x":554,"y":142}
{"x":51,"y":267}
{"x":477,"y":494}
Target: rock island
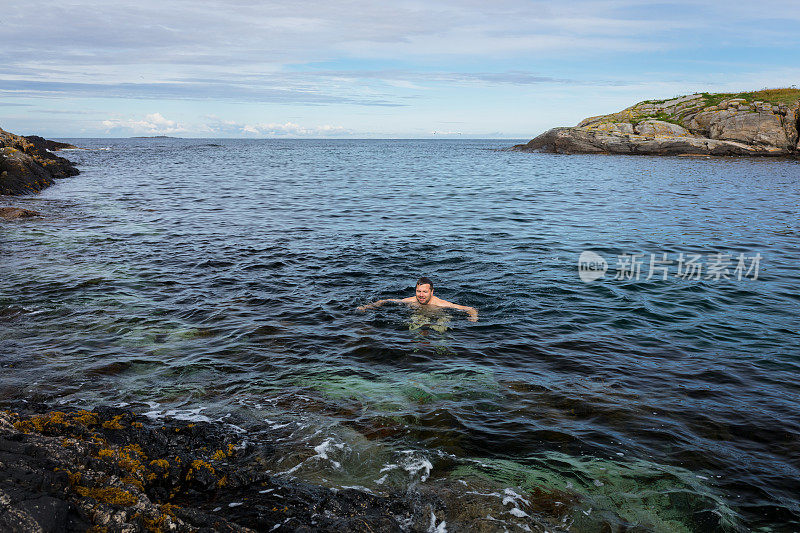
{"x":758,"y":123}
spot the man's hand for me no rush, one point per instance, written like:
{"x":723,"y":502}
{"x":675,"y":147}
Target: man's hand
{"x":473,"y":314}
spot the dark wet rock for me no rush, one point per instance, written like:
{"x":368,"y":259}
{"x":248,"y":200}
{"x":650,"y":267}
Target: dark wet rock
{"x":110,"y":468}
{"x":46,"y":144}
{"x":697,"y":124}
{"x":26,"y":167}
{"x":13,"y":213}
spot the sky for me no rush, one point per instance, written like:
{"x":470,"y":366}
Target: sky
{"x":373,"y":69}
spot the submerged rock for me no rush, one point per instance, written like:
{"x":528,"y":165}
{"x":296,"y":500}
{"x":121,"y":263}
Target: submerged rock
{"x":13,"y":213}
{"x":28,"y":166}
{"x":697,"y":124}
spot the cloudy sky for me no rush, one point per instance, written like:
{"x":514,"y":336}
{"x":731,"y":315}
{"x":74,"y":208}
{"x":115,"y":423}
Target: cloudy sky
{"x":365,"y":69}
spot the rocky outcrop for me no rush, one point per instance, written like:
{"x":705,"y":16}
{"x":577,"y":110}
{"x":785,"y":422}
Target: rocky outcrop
{"x":112,"y":470}
{"x":589,"y":140}
{"x":29,"y":166}
{"x":46,"y":144}
{"x":763,"y":123}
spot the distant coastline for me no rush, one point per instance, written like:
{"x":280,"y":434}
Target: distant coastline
{"x":756,"y":123}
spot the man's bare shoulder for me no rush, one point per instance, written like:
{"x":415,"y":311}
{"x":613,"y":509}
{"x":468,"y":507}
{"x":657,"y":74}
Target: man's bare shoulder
{"x":440,"y":303}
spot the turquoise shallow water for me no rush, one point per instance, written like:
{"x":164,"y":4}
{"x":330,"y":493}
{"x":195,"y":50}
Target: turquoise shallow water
{"x":219,"y":279}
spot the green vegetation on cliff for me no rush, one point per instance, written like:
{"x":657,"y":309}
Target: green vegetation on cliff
{"x":663,"y":117}
{"x":784,"y":96}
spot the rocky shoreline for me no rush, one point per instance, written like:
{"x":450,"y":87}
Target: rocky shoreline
{"x":762,"y":123}
{"x":113,"y":470}
{"x":28,"y":165}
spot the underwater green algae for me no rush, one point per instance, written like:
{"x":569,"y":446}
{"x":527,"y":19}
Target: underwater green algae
{"x":400,"y":391}
{"x":617,"y":494}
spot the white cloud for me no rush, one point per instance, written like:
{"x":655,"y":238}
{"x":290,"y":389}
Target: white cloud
{"x":251,"y":37}
{"x":152,"y":124}
{"x":157,"y":124}
{"x":272,"y":129}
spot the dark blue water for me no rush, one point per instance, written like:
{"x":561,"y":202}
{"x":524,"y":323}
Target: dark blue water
{"x":219,"y":280}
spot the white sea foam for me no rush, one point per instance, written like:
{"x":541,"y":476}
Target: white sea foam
{"x":511,"y":495}
{"x":516,"y":511}
{"x":189,"y":415}
{"x":357,"y":487}
{"x":485,"y":494}
{"x":294,"y":468}
{"x":236,"y":428}
{"x":433,"y":528}
{"x":322,"y":451}
{"x":413,"y":465}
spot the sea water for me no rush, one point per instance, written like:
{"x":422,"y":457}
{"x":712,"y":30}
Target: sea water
{"x":219,"y":280}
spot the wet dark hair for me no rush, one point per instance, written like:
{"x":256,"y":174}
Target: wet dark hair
{"x":424,"y":281}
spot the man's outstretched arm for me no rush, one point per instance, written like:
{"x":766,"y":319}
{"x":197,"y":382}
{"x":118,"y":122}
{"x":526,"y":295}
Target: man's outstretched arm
{"x":379,"y":303}
{"x":471,"y":311}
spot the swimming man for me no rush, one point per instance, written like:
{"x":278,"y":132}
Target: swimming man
{"x":424,"y":298}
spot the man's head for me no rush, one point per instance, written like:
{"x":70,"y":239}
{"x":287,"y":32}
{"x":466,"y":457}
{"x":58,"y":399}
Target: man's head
{"x":424,"y":290}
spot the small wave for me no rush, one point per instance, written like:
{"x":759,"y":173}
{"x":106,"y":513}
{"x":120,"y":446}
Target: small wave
{"x":322,"y":451}
{"x":413,"y":464}
{"x":190,"y":415}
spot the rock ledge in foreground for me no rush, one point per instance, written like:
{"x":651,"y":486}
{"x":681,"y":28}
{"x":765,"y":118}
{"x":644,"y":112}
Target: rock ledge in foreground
{"x":112,"y":470}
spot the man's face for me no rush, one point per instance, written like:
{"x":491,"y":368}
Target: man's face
{"x":424,"y":293}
